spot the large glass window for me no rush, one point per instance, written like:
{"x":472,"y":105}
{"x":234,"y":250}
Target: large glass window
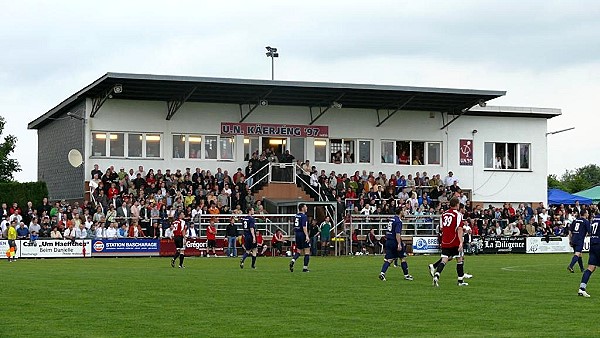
{"x":117,"y":144}
{"x":227,"y":143}
{"x":195,"y":146}
{"x":506,"y":156}
{"x":134,"y":145}
{"x":411,"y":152}
{"x":178,"y":146}
{"x":152,"y":145}
{"x":210,"y":147}
{"x":320,"y":150}
{"x":98,"y":144}
{"x":364,"y":151}
{"x":403,"y":152}
{"x":387,"y":152}
{"x":342,"y":151}
{"x":418,"y":149}
{"x":296,"y":148}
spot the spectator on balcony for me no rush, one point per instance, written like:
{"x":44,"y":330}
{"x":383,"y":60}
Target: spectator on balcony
{"x":417,"y":160}
{"x":403,"y":158}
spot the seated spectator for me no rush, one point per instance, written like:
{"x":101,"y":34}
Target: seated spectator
{"x":45,"y":230}
{"x":260,"y":244}
{"x":55,"y":233}
{"x":135,"y":231}
{"x":33,"y":236}
{"x":111,"y":232}
{"x":69,"y":231}
{"x":277,"y":242}
{"x":357,"y":243}
{"x":81,"y":232}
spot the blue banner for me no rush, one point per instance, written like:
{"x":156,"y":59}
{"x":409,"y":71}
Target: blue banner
{"x":126,"y":247}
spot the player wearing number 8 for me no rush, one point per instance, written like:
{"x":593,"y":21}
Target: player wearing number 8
{"x":393,"y":246}
{"x":577,"y":231}
{"x":452,"y":242}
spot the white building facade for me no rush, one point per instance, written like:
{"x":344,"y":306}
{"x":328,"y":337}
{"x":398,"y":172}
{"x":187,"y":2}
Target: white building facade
{"x":497,"y":153}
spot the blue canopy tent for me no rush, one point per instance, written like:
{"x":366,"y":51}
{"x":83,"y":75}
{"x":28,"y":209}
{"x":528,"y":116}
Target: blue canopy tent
{"x":557,"y":196}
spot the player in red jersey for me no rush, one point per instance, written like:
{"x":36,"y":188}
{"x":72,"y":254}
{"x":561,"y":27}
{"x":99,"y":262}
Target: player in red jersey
{"x":451,"y":242}
{"x":180,"y":229}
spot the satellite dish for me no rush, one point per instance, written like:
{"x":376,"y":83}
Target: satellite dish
{"x":75,"y":158}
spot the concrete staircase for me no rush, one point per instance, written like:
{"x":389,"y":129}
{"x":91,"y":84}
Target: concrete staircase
{"x":282,"y":191}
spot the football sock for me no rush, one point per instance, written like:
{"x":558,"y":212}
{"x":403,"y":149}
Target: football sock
{"x":396,"y":262}
{"x":580,"y":261}
{"x":176,"y":255}
{"x":385,"y":266}
{"x":435,"y":265}
{"x":244,"y":256}
{"x":253,"y":260}
{"x":460,"y":270}
{"x":181,"y":257}
{"x":574,"y":260}
{"x":404,"y":268}
{"x":306,"y":259}
{"x":296,"y":255}
{"x":440,"y":268}
{"x":585,"y":278}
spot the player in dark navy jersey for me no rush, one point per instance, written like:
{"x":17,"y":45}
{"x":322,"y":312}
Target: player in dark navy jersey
{"x":394,"y":247}
{"x":302,"y":238}
{"x":249,"y":226}
{"x":594,"y":259}
{"x":577,"y":231}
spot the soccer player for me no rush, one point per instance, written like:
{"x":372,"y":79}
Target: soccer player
{"x":452,"y":242}
{"x":178,"y":231}
{"x":302,"y":238}
{"x":249,"y":225}
{"x":594,"y":258}
{"x":393,"y":246}
{"x":577,"y":231}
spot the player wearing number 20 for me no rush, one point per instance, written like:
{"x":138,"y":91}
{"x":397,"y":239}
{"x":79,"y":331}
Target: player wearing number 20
{"x":452,"y":242}
{"x":594,"y":259}
{"x":393,"y":246}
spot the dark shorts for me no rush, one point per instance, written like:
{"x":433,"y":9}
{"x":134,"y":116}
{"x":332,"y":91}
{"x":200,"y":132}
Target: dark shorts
{"x":391,"y":249}
{"x":450,"y":252}
{"x":577,"y":247}
{"x":594,"y":254}
{"x":12,"y":243}
{"x":178,"y":242}
{"x":325,"y":238}
{"x":248,"y":245}
{"x":211,"y":243}
{"x":301,"y":242}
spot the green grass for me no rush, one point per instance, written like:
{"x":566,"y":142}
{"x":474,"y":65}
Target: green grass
{"x":116,"y":297}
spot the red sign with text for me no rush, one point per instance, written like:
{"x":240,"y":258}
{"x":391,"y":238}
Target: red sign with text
{"x":265,"y":129}
{"x":465,"y":152}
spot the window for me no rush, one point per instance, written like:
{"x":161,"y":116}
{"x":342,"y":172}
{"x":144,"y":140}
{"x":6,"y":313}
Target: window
{"x":250,"y":146}
{"x":296,"y":148}
{"x":116,"y":144}
{"x":342,"y":151}
{"x":134,"y":145}
{"x":98,"y":144}
{"x":387,"y":152}
{"x":411,"y":152}
{"x":226,"y":147}
{"x":178,"y":146}
{"x":153,"y":145}
{"x":506,"y":156}
{"x":320,"y":150}
{"x":210,"y":147}
{"x":364,"y":151}
{"x":418,"y":149}
{"x":434,"y":153}
{"x":194,"y":146}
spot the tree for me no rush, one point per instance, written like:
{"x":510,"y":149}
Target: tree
{"x":8,"y":166}
{"x":573,"y":181}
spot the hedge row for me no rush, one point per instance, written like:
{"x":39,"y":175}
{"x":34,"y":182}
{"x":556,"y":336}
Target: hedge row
{"x":22,"y":192}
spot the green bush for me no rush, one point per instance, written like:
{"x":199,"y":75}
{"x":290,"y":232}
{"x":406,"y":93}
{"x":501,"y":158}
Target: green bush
{"x":22,"y":192}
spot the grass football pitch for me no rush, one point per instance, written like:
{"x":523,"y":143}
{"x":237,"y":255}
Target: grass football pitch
{"x":509,"y":296}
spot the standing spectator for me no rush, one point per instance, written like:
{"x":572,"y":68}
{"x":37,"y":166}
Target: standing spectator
{"x":313,"y":233}
{"x":232,"y":233}
{"x":449,"y":180}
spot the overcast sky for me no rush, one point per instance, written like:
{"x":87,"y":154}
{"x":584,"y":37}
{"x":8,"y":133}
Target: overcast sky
{"x":543,"y":53}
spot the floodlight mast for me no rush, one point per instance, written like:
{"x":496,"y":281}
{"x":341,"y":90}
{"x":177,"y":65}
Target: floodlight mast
{"x":272,"y":53}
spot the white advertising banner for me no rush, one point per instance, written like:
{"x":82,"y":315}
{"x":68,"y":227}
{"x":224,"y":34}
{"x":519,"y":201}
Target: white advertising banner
{"x":4,"y":248}
{"x":553,"y":245}
{"x":47,"y":248}
{"x":427,"y":244}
